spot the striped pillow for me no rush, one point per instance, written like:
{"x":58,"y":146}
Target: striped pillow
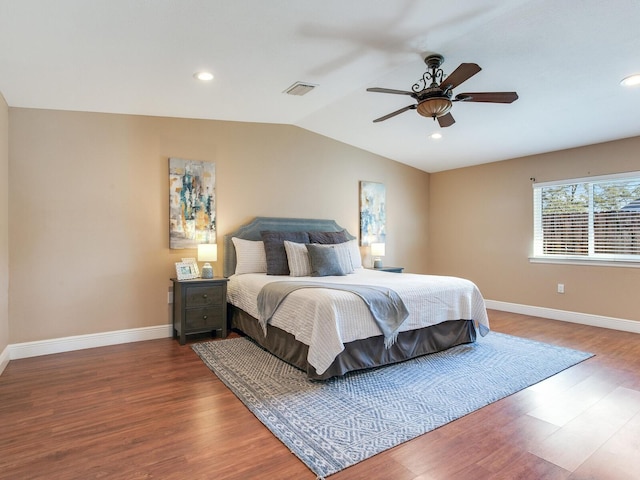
{"x":354,"y":253}
{"x":298,"y":259}
{"x":250,"y":256}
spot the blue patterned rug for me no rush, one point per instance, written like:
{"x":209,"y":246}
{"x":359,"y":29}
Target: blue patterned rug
{"x":334,"y":424}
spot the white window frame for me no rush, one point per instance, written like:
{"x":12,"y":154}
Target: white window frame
{"x":591,"y":258}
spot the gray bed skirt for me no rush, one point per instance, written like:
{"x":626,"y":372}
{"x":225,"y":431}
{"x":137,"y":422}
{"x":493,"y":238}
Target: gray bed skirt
{"x":359,"y":354}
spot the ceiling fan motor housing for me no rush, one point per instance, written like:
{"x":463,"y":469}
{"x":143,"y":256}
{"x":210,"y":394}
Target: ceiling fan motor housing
{"x":434,"y":61}
{"x":433,"y":101}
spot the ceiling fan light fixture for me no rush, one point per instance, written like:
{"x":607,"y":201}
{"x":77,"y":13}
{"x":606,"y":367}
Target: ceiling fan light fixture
{"x":631,"y":80}
{"x":434,"y":107}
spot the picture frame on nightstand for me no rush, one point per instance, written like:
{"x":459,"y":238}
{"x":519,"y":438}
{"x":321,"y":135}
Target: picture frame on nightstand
{"x":194,"y":262}
{"x":186,"y":271}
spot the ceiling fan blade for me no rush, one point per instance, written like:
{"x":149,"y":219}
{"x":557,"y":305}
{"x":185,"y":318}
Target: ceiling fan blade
{"x":446,"y":120}
{"x":489,"y":97}
{"x":397,"y":112}
{"x":461,"y":74}
{"x":389,"y":90}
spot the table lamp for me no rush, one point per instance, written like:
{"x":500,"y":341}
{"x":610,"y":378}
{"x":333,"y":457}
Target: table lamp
{"x":377,"y":251}
{"x":207,"y":252}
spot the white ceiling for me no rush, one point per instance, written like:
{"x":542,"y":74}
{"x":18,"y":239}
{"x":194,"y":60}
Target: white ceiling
{"x":565,"y":59}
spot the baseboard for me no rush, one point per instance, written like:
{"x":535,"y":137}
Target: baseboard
{"x":566,"y":316}
{"x":80,"y":342}
{"x":4,"y":359}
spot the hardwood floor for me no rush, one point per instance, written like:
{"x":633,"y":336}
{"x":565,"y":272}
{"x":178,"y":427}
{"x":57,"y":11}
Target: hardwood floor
{"x":152,"y":410}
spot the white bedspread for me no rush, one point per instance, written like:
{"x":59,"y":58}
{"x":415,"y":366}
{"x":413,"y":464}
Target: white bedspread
{"x":326,"y":319}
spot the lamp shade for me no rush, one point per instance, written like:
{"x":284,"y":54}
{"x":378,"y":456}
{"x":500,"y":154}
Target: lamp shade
{"x":434,"y":107}
{"x":377,"y":249}
{"x":207,"y":252}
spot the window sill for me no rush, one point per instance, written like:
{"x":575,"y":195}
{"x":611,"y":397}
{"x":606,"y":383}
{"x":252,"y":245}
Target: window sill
{"x":592,"y":262}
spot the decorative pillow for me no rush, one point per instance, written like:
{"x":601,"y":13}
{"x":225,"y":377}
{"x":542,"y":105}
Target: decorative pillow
{"x":277,"y":263}
{"x":298,"y":259}
{"x":328,"y":237}
{"x":324,"y":260}
{"x":344,"y":256}
{"x":250,"y":256}
{"x":354,"y":253}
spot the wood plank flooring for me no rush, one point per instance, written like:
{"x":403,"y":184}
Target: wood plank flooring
{"x":152,"y":410}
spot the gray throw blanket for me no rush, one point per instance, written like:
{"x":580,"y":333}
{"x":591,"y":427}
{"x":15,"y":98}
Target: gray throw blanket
{"x":386,"y":306}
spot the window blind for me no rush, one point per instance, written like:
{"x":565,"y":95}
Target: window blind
{"x":595,"y":218}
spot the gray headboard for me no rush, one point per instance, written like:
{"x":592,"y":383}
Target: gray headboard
{"x":251,"y":231}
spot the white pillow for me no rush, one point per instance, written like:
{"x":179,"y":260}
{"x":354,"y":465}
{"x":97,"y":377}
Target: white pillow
{"x":250,"y":256}
{"x":298,"y":259}
{"x":354,"y":253}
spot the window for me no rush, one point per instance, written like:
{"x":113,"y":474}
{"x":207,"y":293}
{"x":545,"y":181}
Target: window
{"x":595,"y":218}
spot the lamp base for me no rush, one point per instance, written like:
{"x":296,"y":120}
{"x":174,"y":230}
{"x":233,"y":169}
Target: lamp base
{"x":377,"y":263}
{"x":207,"y":271}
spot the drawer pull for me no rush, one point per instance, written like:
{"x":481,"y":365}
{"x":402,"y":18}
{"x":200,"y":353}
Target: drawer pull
{"x":204,"y":317}
{"x":204,"y":295}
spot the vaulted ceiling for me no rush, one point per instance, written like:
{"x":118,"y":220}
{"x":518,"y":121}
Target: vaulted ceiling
{"x":565,"y":58}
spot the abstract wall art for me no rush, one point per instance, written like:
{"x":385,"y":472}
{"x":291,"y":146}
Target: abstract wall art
{"x":372,"y":213}
{"x":192,"y":203}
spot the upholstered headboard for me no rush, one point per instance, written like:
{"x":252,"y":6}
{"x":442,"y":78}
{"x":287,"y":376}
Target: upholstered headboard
{"x":251,"y":231}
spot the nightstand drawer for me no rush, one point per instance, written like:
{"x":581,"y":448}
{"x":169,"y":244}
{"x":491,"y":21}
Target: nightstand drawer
{"x":198,"y":318}
{"x":203,"y":296}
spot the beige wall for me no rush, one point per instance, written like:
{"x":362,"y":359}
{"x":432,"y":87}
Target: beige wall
{"x":88,"y":215}
{"x":4,"y":225}
{"x":481,"y":221}
{"x":88,"y":198}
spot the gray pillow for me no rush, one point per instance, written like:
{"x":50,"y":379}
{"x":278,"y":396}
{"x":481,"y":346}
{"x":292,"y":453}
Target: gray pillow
{"x":328,"y":237}
{"x":277,"y":263}
{"x":324,"y":260}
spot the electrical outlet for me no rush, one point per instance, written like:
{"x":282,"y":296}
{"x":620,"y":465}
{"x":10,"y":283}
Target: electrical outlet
{"x":561,"y":288}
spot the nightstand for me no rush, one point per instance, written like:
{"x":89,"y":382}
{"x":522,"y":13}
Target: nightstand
{"x":390,"y":269}
{"x":199,"y":305}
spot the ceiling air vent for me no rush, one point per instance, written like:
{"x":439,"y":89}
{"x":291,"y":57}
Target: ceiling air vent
{"x":300,"y":88}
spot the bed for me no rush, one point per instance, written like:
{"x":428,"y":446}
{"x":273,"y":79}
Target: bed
{"x":330,"y":331}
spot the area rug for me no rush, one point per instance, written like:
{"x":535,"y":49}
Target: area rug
{"x":333,"y":424}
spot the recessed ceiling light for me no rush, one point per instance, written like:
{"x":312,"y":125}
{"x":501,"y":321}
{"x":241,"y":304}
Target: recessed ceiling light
{"x":204,"y":76}
{"x":631,"y":80}
{"x":435,"y":136}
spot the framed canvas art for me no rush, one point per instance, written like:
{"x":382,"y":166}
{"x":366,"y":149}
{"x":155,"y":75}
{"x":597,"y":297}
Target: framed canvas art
{"x":192,"y":203}
{"x":372,"y":213}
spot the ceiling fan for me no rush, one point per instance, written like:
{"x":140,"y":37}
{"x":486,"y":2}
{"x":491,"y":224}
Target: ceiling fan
{"x":435,"y":100}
